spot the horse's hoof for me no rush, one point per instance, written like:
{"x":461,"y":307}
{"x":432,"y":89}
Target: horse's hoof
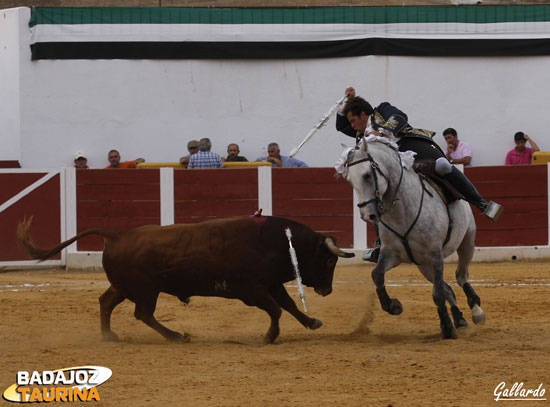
{"x":315,"y":324}
{"x":395,"y":307}
{"x":478,"y":316}
{"x":461,"y":323}
{"x":448,"y":332}
{"x":110,"y":337}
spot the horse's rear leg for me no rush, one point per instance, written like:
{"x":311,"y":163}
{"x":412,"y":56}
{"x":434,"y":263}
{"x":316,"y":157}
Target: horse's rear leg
{"x":390,"y":305}
{"x":465,"y":255}
{"x":107,"y":303}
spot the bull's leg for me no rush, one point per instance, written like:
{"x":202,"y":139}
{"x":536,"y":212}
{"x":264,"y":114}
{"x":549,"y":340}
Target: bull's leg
{"x":281,"y":296}
{"x":390,"y":305}
{"x":145,"y":308}
{"x":439,"y":297}
{"x":263,"y":300}
{"x":107,"y":302}
{"x":465,"y":254}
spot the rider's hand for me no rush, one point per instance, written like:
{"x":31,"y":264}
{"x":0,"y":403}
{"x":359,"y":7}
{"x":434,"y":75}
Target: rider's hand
{"x":350,"y":93}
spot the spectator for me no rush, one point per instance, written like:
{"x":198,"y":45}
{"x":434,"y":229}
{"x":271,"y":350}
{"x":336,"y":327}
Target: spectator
{"x":277,"y":160}
{"x":192,"y":148}
{"x":205,"y":158}
{"x":521,"y":154}
{"x":80,"y":160}
{"x":115,"y":163}
{"x":458,"y":152}
{"x":233,"y":153}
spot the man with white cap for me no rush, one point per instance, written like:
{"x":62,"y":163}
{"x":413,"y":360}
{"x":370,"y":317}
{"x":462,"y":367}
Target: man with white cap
{"x":80,"y":160}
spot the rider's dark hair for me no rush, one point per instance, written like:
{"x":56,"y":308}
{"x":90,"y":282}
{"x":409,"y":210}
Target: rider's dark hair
{"x":356,"y":106}
{"x":450,"y":130}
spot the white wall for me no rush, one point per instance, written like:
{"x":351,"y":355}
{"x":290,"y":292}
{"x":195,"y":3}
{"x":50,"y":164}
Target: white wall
{"x":151,"y":108}
{"x":12,"y":26}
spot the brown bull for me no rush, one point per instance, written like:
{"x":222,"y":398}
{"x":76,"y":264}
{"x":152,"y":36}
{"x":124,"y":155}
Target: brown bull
{"x":241,"y":258}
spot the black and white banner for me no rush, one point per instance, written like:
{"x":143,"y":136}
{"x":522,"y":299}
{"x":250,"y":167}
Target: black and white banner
{"x":324,"y":32}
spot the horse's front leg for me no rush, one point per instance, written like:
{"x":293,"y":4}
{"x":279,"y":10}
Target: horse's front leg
{"x":439,"y":296}
{"x":390,"y":305}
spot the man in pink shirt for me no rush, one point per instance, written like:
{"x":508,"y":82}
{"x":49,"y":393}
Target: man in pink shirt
{"x":520,"y":154}
{"x":458,"y":152}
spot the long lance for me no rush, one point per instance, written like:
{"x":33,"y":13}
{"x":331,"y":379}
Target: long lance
{"x":321,"y":123}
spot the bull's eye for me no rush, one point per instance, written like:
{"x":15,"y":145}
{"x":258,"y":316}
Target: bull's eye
{"x":366,"y":176}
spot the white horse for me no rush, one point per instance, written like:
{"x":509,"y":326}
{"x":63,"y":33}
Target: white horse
{"x":415,"y":226}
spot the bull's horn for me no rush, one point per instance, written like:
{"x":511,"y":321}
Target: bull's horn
{"x":335,"y":249}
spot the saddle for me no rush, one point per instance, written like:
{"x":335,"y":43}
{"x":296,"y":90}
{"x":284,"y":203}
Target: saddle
{"x":444,"y":188}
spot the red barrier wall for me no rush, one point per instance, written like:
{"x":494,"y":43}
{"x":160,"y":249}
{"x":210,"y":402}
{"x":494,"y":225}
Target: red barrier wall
{"x":200,"y":195}
{"x":313,"y":196}
{"x":122,"y":199}
{"x":523,"y":192}
{"x":115,"y":199}
{"x":42,"y":203}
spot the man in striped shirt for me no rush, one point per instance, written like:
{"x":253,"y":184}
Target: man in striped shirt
{"x":205,"y":158}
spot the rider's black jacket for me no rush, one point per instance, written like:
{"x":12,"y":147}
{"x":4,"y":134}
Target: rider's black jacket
{"x":389,"y":117}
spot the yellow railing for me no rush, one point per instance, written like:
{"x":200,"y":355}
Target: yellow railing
{"x":541,"y":157}
{"x":233,"y":164}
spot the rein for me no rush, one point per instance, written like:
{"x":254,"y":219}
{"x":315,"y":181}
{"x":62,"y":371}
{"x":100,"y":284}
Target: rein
{"x":378,"y":199}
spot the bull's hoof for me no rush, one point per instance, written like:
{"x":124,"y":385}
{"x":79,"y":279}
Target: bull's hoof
{"x":177,"y":337}
{"x":448,"y":332}
{"x":271,"y":335}
{"x":315,"y":324}
{"x":395,"y":307}
{"x":110,"y":336}
{"x":268,"y":340}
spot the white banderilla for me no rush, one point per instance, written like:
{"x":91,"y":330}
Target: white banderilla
{"x":294,"y":261}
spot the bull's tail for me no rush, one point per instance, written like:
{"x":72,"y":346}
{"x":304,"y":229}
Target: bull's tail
{"x":24,"y":238}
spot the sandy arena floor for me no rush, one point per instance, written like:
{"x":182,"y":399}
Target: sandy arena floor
{"x":360,"y":357}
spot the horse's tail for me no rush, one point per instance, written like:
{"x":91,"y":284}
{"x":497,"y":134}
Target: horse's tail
{"x":25,"y":240}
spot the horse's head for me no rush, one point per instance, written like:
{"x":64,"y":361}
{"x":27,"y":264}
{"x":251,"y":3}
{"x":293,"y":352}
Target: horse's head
{"x":367,"y":171}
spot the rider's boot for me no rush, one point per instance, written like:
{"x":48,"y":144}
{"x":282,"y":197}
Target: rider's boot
{"x":490,"y":209}
{"x":372,"y":254}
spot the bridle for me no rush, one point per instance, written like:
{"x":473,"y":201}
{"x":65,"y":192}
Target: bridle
{"x":377,"y":196}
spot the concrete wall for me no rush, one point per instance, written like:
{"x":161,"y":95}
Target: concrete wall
{"x":12,"y":26}
{"x":151,"y":108}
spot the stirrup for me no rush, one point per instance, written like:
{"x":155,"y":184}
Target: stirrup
{"x":372,"y":255}
{"x":493,"y":211}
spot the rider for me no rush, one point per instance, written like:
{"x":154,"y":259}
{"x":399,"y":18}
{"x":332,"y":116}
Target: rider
{"x":358,"y":118}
